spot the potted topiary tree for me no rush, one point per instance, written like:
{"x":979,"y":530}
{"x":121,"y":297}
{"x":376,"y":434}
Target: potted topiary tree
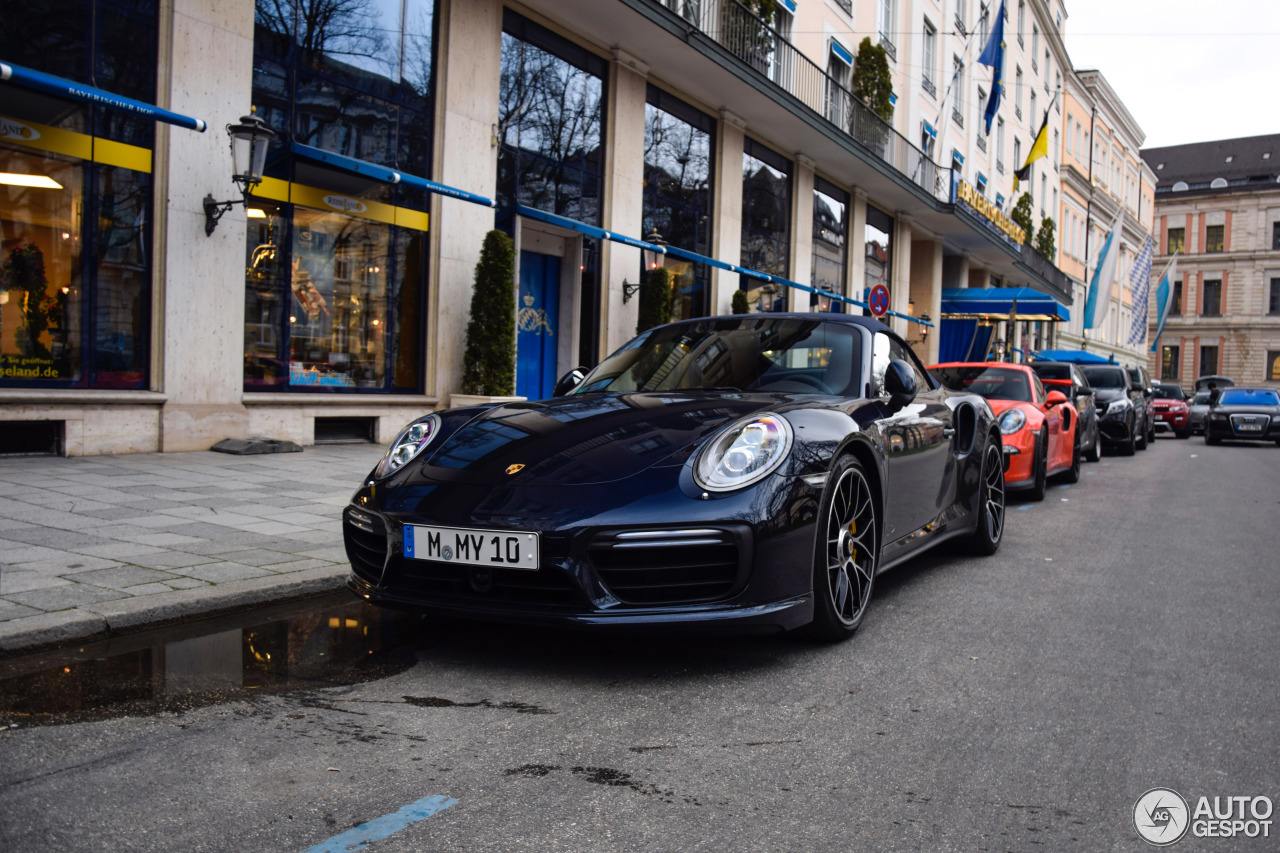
{"x":872,"y":84}
{"x":1045,"y":243}
{"x":655,"y":300}
{"x":739,"y":304}
{"x":488,"y":362}
{"x":1021,"y":214}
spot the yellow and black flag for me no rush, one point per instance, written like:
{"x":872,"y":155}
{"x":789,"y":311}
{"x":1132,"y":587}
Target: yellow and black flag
{"x":1039,"y":149}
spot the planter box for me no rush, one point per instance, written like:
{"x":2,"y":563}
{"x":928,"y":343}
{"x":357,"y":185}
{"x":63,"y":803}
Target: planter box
{"x":457,"y":401}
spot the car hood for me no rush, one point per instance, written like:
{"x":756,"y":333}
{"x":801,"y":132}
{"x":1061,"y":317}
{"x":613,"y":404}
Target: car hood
{"x":585,"y":439}
{"x":999,"y":407}
{"x":1245,"y":410}
{"x":1108,"y":395}
{"x":1169,"y":401}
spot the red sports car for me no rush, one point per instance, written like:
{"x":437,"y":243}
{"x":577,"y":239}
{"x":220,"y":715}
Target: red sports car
{"x":1038,"y":428}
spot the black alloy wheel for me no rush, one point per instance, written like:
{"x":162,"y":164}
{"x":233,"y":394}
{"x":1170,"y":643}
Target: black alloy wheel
{"x":1072,"y":474}
{"x":1040,"y":464}
{"x":989,"y":530}
{"x":847,"y":553}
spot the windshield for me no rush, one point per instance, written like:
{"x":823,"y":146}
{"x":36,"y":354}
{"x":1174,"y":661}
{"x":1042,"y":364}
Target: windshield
{"x":1052,"y":371}
{"x":1200,"y":399}
{"x":994,"y":383}
{"x":1170,"y":392}
{"x":1106,"y":377}
{"x":1249,"y":397}
{"x":783,"y":355}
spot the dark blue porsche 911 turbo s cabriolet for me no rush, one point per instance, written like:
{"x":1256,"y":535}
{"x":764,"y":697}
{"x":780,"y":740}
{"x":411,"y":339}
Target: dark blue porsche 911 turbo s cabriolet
{"x":758,"y":470}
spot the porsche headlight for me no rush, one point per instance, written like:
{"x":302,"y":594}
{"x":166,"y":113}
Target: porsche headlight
{"x":743,"y":454}
{"x":1012,"y":420}
{"x":408,"y":444}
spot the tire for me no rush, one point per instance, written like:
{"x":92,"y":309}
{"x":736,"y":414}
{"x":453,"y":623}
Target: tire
{"x":1151,"y":431}
{"x":1141,"y":441}
{"x":846,"y":553}
{"x":1041,"y":464}
{"x":989,"y":531}
{"x":1130,"y":443}
{"x":1208,"y":437}
{"x":1094,"y":453}
{"x":1072,"y":474}
{"x":1185,"y":433}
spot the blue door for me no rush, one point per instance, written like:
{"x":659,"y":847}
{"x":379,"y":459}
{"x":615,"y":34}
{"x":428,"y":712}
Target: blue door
{"x":537,"y":317}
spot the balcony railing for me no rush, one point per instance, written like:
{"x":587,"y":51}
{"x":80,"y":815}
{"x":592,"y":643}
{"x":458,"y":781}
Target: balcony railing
{"x":930,"y":88}
{"x":847,"y":5}
{"x":887,"y":44}
{"x":760,"y":47}
{"x":957,"y":117}
{"x":982,"y":142}
{"x":960,"y":28}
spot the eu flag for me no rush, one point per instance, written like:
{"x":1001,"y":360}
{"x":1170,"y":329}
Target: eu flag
{"x":993,"y":55}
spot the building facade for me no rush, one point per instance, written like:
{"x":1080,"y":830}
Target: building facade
{"x":1104,"y":182}
{"x":334,"y":302}
{"x":1218,"y":212}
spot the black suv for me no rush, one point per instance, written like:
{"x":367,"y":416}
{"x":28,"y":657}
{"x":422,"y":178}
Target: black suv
{"x":1070,"y":380}
{"x":1141,"y":380}
{"x":1122,"y":410}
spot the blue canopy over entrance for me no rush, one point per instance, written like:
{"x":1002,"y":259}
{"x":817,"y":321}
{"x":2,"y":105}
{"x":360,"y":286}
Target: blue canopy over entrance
{"x":1000,"y":303}
{"x":1076,"y":356}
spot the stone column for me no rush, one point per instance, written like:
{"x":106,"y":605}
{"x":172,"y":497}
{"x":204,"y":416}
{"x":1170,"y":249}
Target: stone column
{"x":801,"y":232}
{"x":726,"y":236}
{"x":857,"y":280}
{"x":624,"y":197}
{"x":466,"y":156}
{"x":200,"y":302}
{"x":900,"y":290}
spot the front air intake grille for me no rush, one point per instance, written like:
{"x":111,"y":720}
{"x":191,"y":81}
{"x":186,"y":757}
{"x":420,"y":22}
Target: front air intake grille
{"x":365,"y":536}
{"x":665,"y":567}
{"x":443,"y":581}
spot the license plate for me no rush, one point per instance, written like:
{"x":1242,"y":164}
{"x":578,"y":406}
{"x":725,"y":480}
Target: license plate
{"x":1250,"y":427}
{"x":494,"y":548}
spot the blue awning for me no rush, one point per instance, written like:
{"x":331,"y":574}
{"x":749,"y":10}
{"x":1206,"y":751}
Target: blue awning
{"x":60,"y":87}
{"x":999,"y":303}
{"x":1076,"y":356}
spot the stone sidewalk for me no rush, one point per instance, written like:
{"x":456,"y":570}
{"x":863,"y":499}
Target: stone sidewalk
{"x":97,"y":545}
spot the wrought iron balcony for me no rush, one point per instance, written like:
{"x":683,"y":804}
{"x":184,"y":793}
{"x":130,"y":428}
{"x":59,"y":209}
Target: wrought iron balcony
{"x":766,"y":53}
{"x":887,"y":44}
{"x":957,"y":117}
{"x":960,"y":28}
{"x":847,"y":5}
{"x":982,"y":142}
{"x":929,"y":87}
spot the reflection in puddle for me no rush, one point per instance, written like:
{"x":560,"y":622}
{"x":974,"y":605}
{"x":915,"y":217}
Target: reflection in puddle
{"x":317,"y":643}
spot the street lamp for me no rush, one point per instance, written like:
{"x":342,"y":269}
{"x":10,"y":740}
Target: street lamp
{"x":652,"y":259}
{"x":249,"y":142}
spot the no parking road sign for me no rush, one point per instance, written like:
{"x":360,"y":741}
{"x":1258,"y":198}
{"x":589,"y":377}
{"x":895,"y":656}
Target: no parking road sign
{"x":878,"y":300}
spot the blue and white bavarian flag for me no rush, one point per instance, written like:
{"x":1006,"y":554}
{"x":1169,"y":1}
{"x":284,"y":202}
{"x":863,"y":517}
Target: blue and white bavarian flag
{"x":1164,"y":298}
{"x":1140,"y":292}
{"x":1104,"y":275}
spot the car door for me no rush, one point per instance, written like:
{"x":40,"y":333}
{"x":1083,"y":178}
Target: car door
{"x":1053,"y":418}
{"x":917,"y":440}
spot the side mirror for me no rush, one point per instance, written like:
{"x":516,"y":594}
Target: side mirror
{"x":900,"y":382}
{"x":1082,"y":391}
{"x":569,"y":381}
{"x":1055,"y":398}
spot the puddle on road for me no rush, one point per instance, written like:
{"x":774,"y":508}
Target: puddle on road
{"x":322,"y":642}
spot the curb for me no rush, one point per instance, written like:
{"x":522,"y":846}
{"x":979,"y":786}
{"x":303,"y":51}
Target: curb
{"x":111,"y":618}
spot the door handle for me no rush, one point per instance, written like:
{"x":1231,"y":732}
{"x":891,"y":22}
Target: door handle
{"x":947,"y":432}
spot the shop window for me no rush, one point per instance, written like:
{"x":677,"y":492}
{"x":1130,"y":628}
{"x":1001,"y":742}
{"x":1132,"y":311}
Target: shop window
{"x":830,"y":213}
{"x":334,"y":298}
{"x":766,"y":224}
{"x":878,"y":241}
{"x":1273,"y":365}
{"x":1169,"y":362}
{"x":550,"y":122}
{"x":678,"y":191}
{"x":75,"y":257}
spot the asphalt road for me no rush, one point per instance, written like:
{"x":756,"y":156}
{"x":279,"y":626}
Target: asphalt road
{"x":1122,"y":639}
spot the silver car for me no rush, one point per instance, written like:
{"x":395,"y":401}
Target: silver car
{"x":1199,"y":409}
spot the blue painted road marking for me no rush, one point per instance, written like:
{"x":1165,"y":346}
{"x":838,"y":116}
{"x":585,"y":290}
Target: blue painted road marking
{"x":1024,"y":507}
{"x":358,"y":837}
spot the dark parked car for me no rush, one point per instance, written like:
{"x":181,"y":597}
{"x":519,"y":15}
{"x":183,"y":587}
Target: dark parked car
{"x":1122,"y":409}
{"x":1251,"y":414}
{"x":1171,"y":410}
{"x":753,"y":470}
{"x":1198,"y":411}
{"x":1070,"y":380}
{"x":1141,"y":380}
